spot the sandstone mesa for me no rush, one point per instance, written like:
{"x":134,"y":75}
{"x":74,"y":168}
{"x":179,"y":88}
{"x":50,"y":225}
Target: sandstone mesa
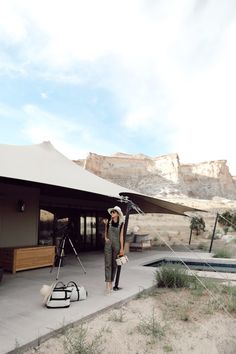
{"x":164,"y":176}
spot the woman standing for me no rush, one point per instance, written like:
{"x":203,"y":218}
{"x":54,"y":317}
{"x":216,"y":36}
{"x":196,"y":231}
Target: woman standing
{"x":114,"y":244}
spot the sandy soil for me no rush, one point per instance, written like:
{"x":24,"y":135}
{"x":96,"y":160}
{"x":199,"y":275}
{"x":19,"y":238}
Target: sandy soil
{"x":177,"y":321}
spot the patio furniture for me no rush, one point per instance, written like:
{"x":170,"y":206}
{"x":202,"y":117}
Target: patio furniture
{"x":140,"y":242}
{"x":14,"y":259}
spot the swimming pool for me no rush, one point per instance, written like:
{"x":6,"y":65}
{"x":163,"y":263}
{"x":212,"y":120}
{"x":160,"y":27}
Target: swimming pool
{"x":224,"y":267}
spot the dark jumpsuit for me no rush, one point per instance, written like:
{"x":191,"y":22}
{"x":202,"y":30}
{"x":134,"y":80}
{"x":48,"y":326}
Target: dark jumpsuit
{"x":111,"y":250}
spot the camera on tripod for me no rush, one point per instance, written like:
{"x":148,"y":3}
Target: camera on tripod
{"x":67,"y":230}
{"x":59,"y":235}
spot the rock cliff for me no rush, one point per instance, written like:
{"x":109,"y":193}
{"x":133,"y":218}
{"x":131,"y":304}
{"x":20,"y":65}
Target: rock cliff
{"x":164,"y":176}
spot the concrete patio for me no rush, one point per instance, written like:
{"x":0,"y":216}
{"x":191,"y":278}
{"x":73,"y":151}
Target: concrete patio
{"x":24,"y":321}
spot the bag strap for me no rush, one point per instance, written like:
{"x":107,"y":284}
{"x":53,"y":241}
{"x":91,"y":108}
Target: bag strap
{"x":59,"y":282}
{"x":76,"y":286}
{"x":72,"y":282}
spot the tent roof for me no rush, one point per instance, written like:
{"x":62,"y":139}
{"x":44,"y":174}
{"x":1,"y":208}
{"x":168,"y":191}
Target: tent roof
{"x":43,"y":164}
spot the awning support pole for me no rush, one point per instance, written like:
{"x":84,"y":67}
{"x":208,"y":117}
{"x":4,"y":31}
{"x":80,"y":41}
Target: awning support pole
{"x":213,"y":234}
{"x":190,"y":237}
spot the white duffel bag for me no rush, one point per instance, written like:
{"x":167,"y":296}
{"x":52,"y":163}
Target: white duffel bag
{"x":78,"y":292}
{"x":57,"y":295}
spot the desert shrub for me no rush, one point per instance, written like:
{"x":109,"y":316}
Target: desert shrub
{"x":226,"y":229}
{"x":225,"y":218}
{"x":231,"y":301}
{"x":143,"y":294}
{"x":233,"y":220}
{"x":231,"y":305}
{"x":117,"y":316}
{"x":228,"y":219}
{"x":76,"y":342}
{"x":197,"y":224}
{"x":197,"y":289}
{"x":202,"y":246}
{"x":184,"y":314}
{"x":229,"y":293}
{"x":172,"y":276}
{"x":150,"y":326}
{"x":167,"y":348}
{"x":222,"y":253}
{"x":218,"y":234}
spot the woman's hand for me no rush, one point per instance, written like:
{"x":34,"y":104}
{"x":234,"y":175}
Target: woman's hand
{"x":105,"y":221}
{"x":121,"y":252}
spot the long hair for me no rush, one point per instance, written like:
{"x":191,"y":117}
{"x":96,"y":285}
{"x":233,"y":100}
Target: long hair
{"x":120,"y":221}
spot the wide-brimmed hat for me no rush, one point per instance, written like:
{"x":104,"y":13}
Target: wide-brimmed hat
{"x":119,"y":211}
{"x":46,"y":291}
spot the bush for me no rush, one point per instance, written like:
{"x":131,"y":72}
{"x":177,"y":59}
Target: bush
{"x":117,"y":316}
{"x":228,"y":219}
{"x":223,"y":253}
{"x":172,"y":276}
{"x":224,"y":217}
{"x":226,"y":229}
{"x":76,"y":342}
{"x":150,"y":326}
{"x":202,"y":246}
{"x":197,"y":224}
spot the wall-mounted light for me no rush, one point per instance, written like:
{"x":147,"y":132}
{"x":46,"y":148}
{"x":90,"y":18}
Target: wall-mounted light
{"x":21,"y":205}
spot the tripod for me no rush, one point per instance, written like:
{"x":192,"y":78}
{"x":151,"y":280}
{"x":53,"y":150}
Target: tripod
{"x":62,"y":248}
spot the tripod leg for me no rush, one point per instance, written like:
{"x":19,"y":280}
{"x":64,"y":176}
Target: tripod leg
{"x":60,"y":258}
{"x":56,"y":256}
{"x":52,"y":267}
{"x":77,"y":255}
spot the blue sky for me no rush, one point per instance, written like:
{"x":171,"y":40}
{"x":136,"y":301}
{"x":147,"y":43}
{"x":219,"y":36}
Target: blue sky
{"x":133,"y":76}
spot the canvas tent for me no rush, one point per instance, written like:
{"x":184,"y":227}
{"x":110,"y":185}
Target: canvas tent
{"x":42,"y":178}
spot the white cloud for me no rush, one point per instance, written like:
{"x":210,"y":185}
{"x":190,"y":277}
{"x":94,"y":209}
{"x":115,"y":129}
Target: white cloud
{"x":73,"y":139}
{"x":7,"y":112}
{"x":170,"y":65}
{"x":61,"y":33}
{"x":204,"y":110}
{"x":12,"y":26}
{"x":39,"y":125}
{"x":44,"y":95}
